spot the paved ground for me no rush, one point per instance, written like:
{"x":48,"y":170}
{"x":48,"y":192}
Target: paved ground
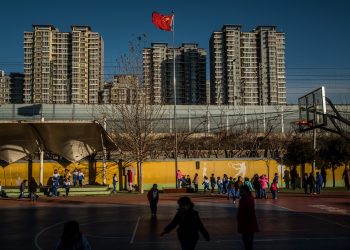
{"x":123,"y":221}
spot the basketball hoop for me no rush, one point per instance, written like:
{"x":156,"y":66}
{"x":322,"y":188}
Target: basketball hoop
{"x":305,"y":123}
{"x":301,"y":122}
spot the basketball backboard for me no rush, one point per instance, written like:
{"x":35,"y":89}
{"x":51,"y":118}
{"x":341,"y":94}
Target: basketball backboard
{"x":312,"y":110}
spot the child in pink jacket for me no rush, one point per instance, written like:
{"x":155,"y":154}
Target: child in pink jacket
{"x":264,"y":184}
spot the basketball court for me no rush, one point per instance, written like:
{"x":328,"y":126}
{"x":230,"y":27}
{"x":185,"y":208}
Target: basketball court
{"x":123,"y":221}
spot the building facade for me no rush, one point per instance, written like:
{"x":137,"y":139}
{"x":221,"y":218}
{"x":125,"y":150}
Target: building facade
{"x":190,"y":72}
{"x":124,"y":89}
{"x":247,"y":68}
{"x":11,"y":87}
{"x":62,"y":67}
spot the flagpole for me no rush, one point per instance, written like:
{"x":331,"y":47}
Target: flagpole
{"x":174,"y":80}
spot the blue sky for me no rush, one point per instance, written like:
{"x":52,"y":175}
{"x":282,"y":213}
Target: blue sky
{"x":317,"y":32}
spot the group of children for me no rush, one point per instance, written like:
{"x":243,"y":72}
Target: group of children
{"x":78,"y":177}
{"x":230,"y":186}
{"x":312,"y":182}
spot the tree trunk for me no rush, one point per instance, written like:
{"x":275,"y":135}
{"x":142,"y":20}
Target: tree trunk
{"x":92,"y":169}
{"x":302,"y":170}
{"x":333,"y":169}
{"x":139,"y":176}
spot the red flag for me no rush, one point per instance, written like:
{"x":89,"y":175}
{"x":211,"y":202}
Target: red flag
{"x":162,"y":22}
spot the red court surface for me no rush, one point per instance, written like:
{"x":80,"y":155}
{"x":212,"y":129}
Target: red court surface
{"x":123,"y":221}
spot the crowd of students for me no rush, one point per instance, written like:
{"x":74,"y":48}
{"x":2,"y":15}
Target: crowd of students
{"x":53,"y":184}
{"x":230,"y":186}
{"x":65,"y":181}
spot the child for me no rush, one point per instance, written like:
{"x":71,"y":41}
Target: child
{"x":66,"y":184}
{"x":212,"y":182}
{"x":189,"y":224}
{"x":55,"y":183}
{"x":248,"y":183}
{"x":75,"y":177}
{"x":274,"y":189}
{"x":195,"y":182}
{"x":220,"y":185}
{"x":206,"y":184}
{"x":230,"y":188}
{"x":32,"y":188}
{"x":22,"y":187}
{"x":115,"y":180}
{"x":80,"y":178}
{"x":263,"y":184}
{"x":153,"y":198}
{"x":275,"y":179}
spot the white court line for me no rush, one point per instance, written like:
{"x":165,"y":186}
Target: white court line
{"x":135,"y":229}
{"x":42,"y":231}
{"x":36,"y":239}
{"x":288,"y":209}
{"x":313,"y":216}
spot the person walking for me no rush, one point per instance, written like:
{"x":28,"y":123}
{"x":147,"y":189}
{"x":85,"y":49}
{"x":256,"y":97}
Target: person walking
{"x":153,"y":198}
{"x":67,"y":181}
{"x":264,"y":184}
{"x":115,"y":180}
{"x":81,"y":178}
{"x":247,"y":223}
{"x":188,"y":225}
{"x":256,"y":185}
{"x":275,"y":179}
{"x":72,"y":238}
{"x":293,"y":177}
{"x":32,"y":188}
{"x":248,"y":183}
{"x":195,"y":182}
{"x":305,"y":182}
{"x":206,"y":184}
{"x":2,"y":192}
{"x":312,"y":181}
{"x":130,"y":180}
{"x":22,"y":188}
{"x":55,"y":183}
{"x":274,"y":189}
{"x":75,"y":177}
{"x":237,"y":186}
{"x":66,"y":184}
{"x":286,"y":178}
{"x":188,"y":183}
{"x":178,"y":177}
{"x":212,"y":182}
{"x":67,"y":174}
{"x":220,"y":185}
{"x":230,"y":188}
{"x":225,"y":183}
{"x":319,"y":182}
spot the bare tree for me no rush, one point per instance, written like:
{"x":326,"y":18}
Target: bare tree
{"x":132,"y":123}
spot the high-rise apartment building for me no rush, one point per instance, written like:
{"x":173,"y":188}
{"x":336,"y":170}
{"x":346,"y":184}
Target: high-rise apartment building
{"x":124,"y":89}
{"x":190,"y":72}
{"x":247,"y":68}
{"x":11,"y":87}
{"x":4,"y":88}
{"x":62,"y":67}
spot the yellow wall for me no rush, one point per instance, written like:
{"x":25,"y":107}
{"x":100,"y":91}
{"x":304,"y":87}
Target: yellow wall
{"x":160,"y":172}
